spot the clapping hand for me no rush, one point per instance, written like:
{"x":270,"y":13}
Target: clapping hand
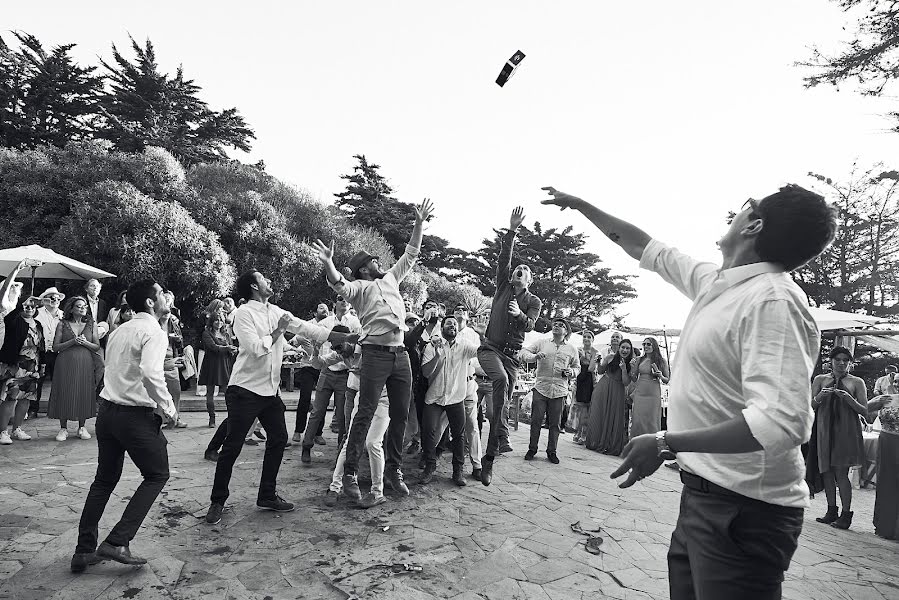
{"x":560,"y":199}
{"x":424,"y":211}
{"x":514,"y":310}
{"x":325,"y":253}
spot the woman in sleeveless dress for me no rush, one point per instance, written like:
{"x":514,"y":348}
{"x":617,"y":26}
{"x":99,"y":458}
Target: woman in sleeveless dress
{"x":607,"y":424}
{"x":73,"y":396}
{"x":583,"y":391}
{"x":836,"y":444}
{"x":649,"y":373}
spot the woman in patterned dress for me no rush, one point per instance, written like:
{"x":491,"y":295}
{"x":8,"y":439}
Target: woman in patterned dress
{"x":20,"y":369}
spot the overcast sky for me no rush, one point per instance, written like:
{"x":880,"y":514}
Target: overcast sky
{"x":667,"y":114}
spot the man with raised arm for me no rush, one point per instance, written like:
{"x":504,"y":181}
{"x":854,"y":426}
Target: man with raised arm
{"x":515,"y":310}
{"x":739,"y":404}
{"x":380,"y":307}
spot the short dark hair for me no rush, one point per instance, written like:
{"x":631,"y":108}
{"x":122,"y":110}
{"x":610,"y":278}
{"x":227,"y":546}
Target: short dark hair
{"x":243,"y":284}
{"x":139,"y":292}
{"x":837,"y":350}
{"x":798,"y":226}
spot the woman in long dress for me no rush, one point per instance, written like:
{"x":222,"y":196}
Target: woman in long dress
{"x":649,"y":372}
{"x":583,"y":391}
{"x":607,"y":424}
{"x":73,"y":396}
{"x":886,"y":503}
{"x":836,"y":442}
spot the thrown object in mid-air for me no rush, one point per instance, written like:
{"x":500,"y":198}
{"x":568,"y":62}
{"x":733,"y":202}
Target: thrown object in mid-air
{"x":509,"y":68}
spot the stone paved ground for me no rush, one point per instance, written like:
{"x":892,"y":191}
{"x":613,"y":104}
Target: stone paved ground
{"x":511,"y":540}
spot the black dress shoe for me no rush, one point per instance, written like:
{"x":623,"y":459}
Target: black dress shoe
{"x":505,"y":447}
{"x":487,"y":470}
{"x":277,"y":504}
{"x":476,"y":474}
{"x":306,"y":456}
{"x":459,"y":478}
{"x":553,"y":457}
{"x":530,"y":455}
{"x":426,"y":477}
{"x":119,"y":554}
{"x":211,"y":455}
{"x":81,"y":560}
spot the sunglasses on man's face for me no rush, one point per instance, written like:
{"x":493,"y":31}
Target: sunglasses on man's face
{"x":28,"y":307}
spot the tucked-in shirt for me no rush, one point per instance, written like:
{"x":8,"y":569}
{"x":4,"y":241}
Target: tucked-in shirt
{"x":258,"y":364}
{"x":327,"y":354}
{"x":378,"y":302}
{"x":447,"y":371}
{"x":749,"y":346}
{"x":49,"y":323}
{"x":134,"y":373}
{"x":504,"y":330}
{"x":550,"y":381}
{"x":883,"y":385}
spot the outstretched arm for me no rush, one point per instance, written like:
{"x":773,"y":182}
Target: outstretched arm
{"x":504,"y":261}
{"x":9,"y":301}
{"x":326,"y":257}
{"x":631,"y":238}
{"x":423,"y":212}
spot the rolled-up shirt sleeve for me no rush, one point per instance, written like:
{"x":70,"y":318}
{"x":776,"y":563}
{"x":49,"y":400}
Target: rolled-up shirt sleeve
{"x":776,"y":370}
{"x":349,"y":289}
{"x":684,"y":272}
{"x":151,"y":360}
{"x":248,"y":337}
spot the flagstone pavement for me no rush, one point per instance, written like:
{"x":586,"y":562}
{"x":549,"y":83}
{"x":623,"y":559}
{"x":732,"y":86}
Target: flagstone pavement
{"x":512,"y":540}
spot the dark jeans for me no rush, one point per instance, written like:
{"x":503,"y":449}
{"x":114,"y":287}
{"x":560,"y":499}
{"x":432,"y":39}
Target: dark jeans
{"x":551,"y":408}
{"x":329,"y":382}
{"x":305,"y":379}
{"x":243,"y":408}
{"x":502,"y":371}
{"x":379,"y":368}
{"x":730,"y":547}
{"x":456,"y":415}
{"x":49,"y":363}
{"x":138,"y":432}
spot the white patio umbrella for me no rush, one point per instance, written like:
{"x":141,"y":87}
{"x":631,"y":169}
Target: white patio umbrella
{"x":55,"y":265}
{"x":837,"y":319}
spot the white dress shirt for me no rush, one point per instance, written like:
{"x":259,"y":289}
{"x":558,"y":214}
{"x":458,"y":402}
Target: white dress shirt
{"x":258,"y":365}
{"x":749,"y":345}
{"x":467,"y":333}
{"x":49,"y":323}
{"x":134,"y":356}
{"x":326,"y":353}
{"x":886,"y":384}
{"x":447,"y":370}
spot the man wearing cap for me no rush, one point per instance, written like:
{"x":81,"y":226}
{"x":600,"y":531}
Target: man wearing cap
{"x":376,"y":296}
{"x":557,"y":362}
{"x":515,"y":310}
{"x":49,"y":316}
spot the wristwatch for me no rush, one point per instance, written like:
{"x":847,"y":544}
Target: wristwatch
{"x":665,"y":452}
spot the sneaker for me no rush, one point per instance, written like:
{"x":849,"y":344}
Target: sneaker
{"x":552,"y":457}
{"x":211,"y":455}
{"x":306,"y":457}
{"x":214,"y":514}
{"x":297,"y":436}
{"x":395,"y":480}
{"x":4,"y":438}
{"x":414,"y":447}
{"x":277,"y":504}
{"x":319,"y":440}
{"x":530,"y":455}
{"x":250,"y":442}
{"x":83,"y":434}
{"x":62,"y":436}
{"x":180,"y":424}
{"x":331,"y":498}
{"x":351,"y":487}
{"x":371,"y":500}
{"x":258,"y":433}
{"x":427,"y":476}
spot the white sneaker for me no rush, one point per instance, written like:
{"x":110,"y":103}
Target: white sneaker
{"x":18,"y":434}
{"x":83,"y":434}
{"x":62,"y":436}
{"x":4,"y":438}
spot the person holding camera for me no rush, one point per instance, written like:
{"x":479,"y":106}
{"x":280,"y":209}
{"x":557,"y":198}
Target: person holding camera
{"x":513,"y":313}
{"x":557,"y":363}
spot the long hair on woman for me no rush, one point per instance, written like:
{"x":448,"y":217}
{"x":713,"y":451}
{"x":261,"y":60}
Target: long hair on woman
{"x":615,"y":365}
{"x":655,"y":355}
{"x":70,"y":307}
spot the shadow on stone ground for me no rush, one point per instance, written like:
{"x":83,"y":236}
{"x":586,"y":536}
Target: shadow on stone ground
{"x":511,"y":540}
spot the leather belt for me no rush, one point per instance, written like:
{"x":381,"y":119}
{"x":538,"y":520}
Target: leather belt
{"x":391,"y":349}
{"x":695,"y":482}
{"x":126,"y":408}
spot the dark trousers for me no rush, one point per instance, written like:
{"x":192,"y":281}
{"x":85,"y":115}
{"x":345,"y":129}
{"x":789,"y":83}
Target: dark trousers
{"x":329,"y":382}
{"x":218,"y":438}
{"x":502,"y":371}
{"x":138,"y":432}
{"x":730,"y":547}
{"x":551,"y":408}
{"x":456,"y":415}
{"x":305,"y":380}
{"x":243,"y":408}
{"x":49,"y":363}
{"x":377,"y":369}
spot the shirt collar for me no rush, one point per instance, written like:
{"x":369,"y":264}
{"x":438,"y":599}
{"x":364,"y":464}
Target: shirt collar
{"x":144,"y":316}
{"x":736,"y":275}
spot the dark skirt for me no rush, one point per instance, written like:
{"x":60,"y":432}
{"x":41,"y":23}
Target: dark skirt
{"x":607,"y":423}
{"x":216,"y":368}
{"x":886,"y":504}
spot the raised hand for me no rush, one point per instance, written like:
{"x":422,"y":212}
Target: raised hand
{"x":325,"y":253}
{"x":424,"y":211}
{"x":560,"y":199}
{"x":517,"y":218}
